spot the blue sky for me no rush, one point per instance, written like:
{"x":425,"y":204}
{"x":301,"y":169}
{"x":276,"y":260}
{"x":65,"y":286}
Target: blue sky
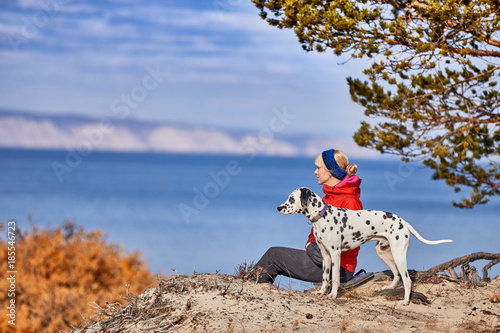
{"x":226,"y":66}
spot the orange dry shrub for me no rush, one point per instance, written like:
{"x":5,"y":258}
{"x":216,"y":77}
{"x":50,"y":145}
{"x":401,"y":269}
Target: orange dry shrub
{"x":60,"y":271}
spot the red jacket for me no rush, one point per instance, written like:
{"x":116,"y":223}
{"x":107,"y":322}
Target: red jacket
{"x":343,"y":195}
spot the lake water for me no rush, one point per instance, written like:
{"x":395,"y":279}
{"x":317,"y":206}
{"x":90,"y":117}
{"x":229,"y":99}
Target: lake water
{"x":210,"y":213}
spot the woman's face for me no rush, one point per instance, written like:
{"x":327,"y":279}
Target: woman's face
{"x":322,"y":174}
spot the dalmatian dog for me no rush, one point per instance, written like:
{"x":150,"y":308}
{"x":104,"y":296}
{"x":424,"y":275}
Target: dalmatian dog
{"x":339,"y":229}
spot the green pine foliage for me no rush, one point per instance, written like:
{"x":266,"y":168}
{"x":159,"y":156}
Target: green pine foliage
{"x":431,"y":91}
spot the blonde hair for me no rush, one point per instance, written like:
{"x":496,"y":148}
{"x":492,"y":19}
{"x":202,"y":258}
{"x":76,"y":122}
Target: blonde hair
{"x":341,"y":160}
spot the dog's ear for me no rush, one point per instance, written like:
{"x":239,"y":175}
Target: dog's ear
{"x":305,"y":194}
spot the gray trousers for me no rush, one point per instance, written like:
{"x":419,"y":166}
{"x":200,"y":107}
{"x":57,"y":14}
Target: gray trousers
{"x":298,"y":264}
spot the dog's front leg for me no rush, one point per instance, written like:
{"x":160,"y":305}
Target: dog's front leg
{"x":335,"y":264}
{"x":327,"y":262}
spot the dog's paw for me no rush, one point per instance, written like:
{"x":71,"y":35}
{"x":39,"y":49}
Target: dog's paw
{"x":321,"y":291}
{"x":332,"y":295}
{"x":390,"y":286}
{"x":403,"y":303}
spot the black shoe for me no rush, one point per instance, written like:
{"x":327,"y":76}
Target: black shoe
{"x":359,"y":278}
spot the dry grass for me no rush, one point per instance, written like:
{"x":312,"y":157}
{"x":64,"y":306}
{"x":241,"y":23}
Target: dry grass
{"x":478,"y":326}
{"x":495,"y":299}
{"x":61,"y":271}
{"x":223,"y":303}
{"x":356,"y":294}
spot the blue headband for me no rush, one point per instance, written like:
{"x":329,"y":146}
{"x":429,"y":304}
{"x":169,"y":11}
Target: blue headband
{"x":332,"y":165}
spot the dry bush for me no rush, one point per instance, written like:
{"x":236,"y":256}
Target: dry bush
{"x":60,"y":271}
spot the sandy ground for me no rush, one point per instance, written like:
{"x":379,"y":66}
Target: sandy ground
{"x":225,"y":303}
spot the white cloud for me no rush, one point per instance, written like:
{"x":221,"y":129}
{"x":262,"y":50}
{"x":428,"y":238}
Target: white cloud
{"x":211,"y":78}
{"x":8,"y":28}
{"x":227,"y":62}
{"x":28,"y":132}
{"x":28,"y":3}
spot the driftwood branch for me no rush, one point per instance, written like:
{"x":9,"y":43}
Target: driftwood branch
{"x":488,"y":266}
{"x":450,"y":265}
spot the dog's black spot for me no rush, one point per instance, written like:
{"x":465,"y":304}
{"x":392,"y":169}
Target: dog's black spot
{"x":323,"y":230}
{"x":342,"y":238}
{"x":400,"y":226}
{"x":406,"y":274}
{"x":346,"y":246}
{"x":406,"y":236}
{"x":331,"y":228}
{"x":373,"y":227}
{"x":327,"y":271}
{"x":376,"y":232}
{"x":397,"y":237}
{"x":341,"y":229}
{"x":351,"y":227}
{"x":335,"y":220}
{"x":356,"y":234}
{"x":367,"y":222}
{"x":388,"y":215}
{"x":291,"y":199}
{"x":305,"y":194}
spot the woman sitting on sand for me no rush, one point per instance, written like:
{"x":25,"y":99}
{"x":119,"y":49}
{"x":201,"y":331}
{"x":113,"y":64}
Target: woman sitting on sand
{"x":341,"y":188}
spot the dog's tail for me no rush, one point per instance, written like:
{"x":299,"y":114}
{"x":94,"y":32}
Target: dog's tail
{"x":425,"y":241}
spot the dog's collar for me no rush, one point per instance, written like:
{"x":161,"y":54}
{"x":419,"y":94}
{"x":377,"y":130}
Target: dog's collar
{"x":320,"y":215}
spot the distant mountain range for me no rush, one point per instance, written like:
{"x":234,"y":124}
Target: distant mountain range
{"x":34,"y":131}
